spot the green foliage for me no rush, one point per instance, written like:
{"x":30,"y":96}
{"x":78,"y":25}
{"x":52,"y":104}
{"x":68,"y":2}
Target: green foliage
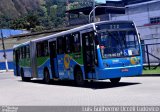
{"x":53,"y":11}
{"x":38,"y":29}
{"x":4,"y":21}
{"x":152,"y":71}
{"x":49,"y":15}
{"x":43,"y":11}
{"x":30,"y":21}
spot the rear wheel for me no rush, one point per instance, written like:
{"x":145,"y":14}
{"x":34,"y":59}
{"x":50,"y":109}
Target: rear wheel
{"x":23,"y":77}
{"x":115,"y":81}
{"x":46,"y":77}
{"x":79,"y":78}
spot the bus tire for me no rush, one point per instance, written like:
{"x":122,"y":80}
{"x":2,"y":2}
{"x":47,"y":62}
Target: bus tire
{"x":26,"y":79}
{"x":46,"y":79}
{"x":79,"y":81}
{"x":115,"y":81}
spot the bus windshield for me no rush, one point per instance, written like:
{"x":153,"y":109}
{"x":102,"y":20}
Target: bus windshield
{"x":118,"y":43}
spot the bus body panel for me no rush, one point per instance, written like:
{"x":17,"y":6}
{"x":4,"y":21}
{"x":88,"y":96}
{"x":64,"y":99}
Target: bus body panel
{"x":33,"y":59}
{"x":122,"y":66}
{"x":16,"y":62}
{"x":119,"y":72}
{"x":66,"y":69}
{"x":64,"y":64}
{"x":22,"y":61}
{"x":43,"y":62}
{"x":27,"y":71}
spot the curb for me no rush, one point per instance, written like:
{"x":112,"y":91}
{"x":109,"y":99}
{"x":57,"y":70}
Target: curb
{"x":4,"y":71}
{"x":150,"y":75}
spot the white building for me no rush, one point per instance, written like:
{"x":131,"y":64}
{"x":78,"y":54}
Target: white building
{"x":146,"y":16}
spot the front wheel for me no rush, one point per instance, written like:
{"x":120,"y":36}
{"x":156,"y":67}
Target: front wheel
{"x":79,"y":78}
{"x":115,"y":81}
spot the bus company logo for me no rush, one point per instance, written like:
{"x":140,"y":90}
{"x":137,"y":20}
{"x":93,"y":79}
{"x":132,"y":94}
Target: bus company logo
{"x":134,"y":60}
{"x":66,"y":61}
{"x":115,"y":61}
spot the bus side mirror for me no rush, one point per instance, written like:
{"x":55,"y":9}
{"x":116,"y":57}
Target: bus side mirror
{"x":140,"y":36}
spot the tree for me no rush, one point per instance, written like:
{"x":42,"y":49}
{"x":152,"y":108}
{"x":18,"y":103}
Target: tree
{"x":53,"y":11}
{"x":32,"y":19}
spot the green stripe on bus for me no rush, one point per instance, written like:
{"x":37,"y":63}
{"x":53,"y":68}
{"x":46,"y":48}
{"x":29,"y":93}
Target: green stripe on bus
{"x":41,"y":60}
{"x":25,"y":62}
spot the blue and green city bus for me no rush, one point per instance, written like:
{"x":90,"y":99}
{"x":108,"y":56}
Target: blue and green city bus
{"x":96,"y":51}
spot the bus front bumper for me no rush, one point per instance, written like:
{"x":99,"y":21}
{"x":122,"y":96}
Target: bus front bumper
{"x":117,"y":72}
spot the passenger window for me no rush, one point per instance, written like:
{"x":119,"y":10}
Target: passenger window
{"x":61,"y":44}
{"x":24,"y":52}
{"x":42,"y":49}
{"x":46,"y":53}
{"x":38,"y":50}
{"x":18,"y":52}
{"x":68,"y":43}
{"x":21,"y":53}
{"x":27,"y":52}
{"x":76,"y":42}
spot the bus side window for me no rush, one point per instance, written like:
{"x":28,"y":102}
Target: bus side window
{"x":42,"y":49}
{"x":24,"y":52}
{"x":27,"y":52}
{"x":21,"y":52}
{"x":68,"y":44}
{"x":38,"y":50}
{"x":46,"y":53}
{"x":14,"y":54}
{"x":76,"y":44}
{"x":60,"y":44}
{"x":18,"y":53}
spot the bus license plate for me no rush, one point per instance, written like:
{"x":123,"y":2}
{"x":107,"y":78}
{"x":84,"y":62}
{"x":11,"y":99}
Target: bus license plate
{"x":124,"y":70}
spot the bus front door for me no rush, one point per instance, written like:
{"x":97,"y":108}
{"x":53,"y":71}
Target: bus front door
{"x":88,"y":53}
{"x":53,"y":59}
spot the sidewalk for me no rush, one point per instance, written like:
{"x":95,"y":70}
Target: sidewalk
{"x":3,"y":71}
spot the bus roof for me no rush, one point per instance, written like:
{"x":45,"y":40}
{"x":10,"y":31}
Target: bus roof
{"x":91,"y":25}
{"x":20,"y":45}
{"x":64,"y":32}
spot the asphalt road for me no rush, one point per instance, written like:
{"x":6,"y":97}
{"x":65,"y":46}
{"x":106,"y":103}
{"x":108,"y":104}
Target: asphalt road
{"x":131,"y":91}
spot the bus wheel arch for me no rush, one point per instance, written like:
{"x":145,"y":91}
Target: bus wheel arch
{"x":22,"y":72}
{"x":23,"y":77}
{"x":46,"y":77}
{"x":78,"y":76}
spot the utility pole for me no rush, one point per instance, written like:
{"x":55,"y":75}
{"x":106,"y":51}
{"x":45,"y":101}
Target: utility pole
{"x":4,"y":55}
{"x":94,"y":12}
{"x":101,"y":7}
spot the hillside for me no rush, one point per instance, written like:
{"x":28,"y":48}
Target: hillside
{"x":16,"y":8}
{"x":36,"y":15}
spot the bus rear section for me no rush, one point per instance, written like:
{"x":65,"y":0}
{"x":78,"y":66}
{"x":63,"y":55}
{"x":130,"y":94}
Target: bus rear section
{"x":22,"y":62}
{"x":118,"y":51}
